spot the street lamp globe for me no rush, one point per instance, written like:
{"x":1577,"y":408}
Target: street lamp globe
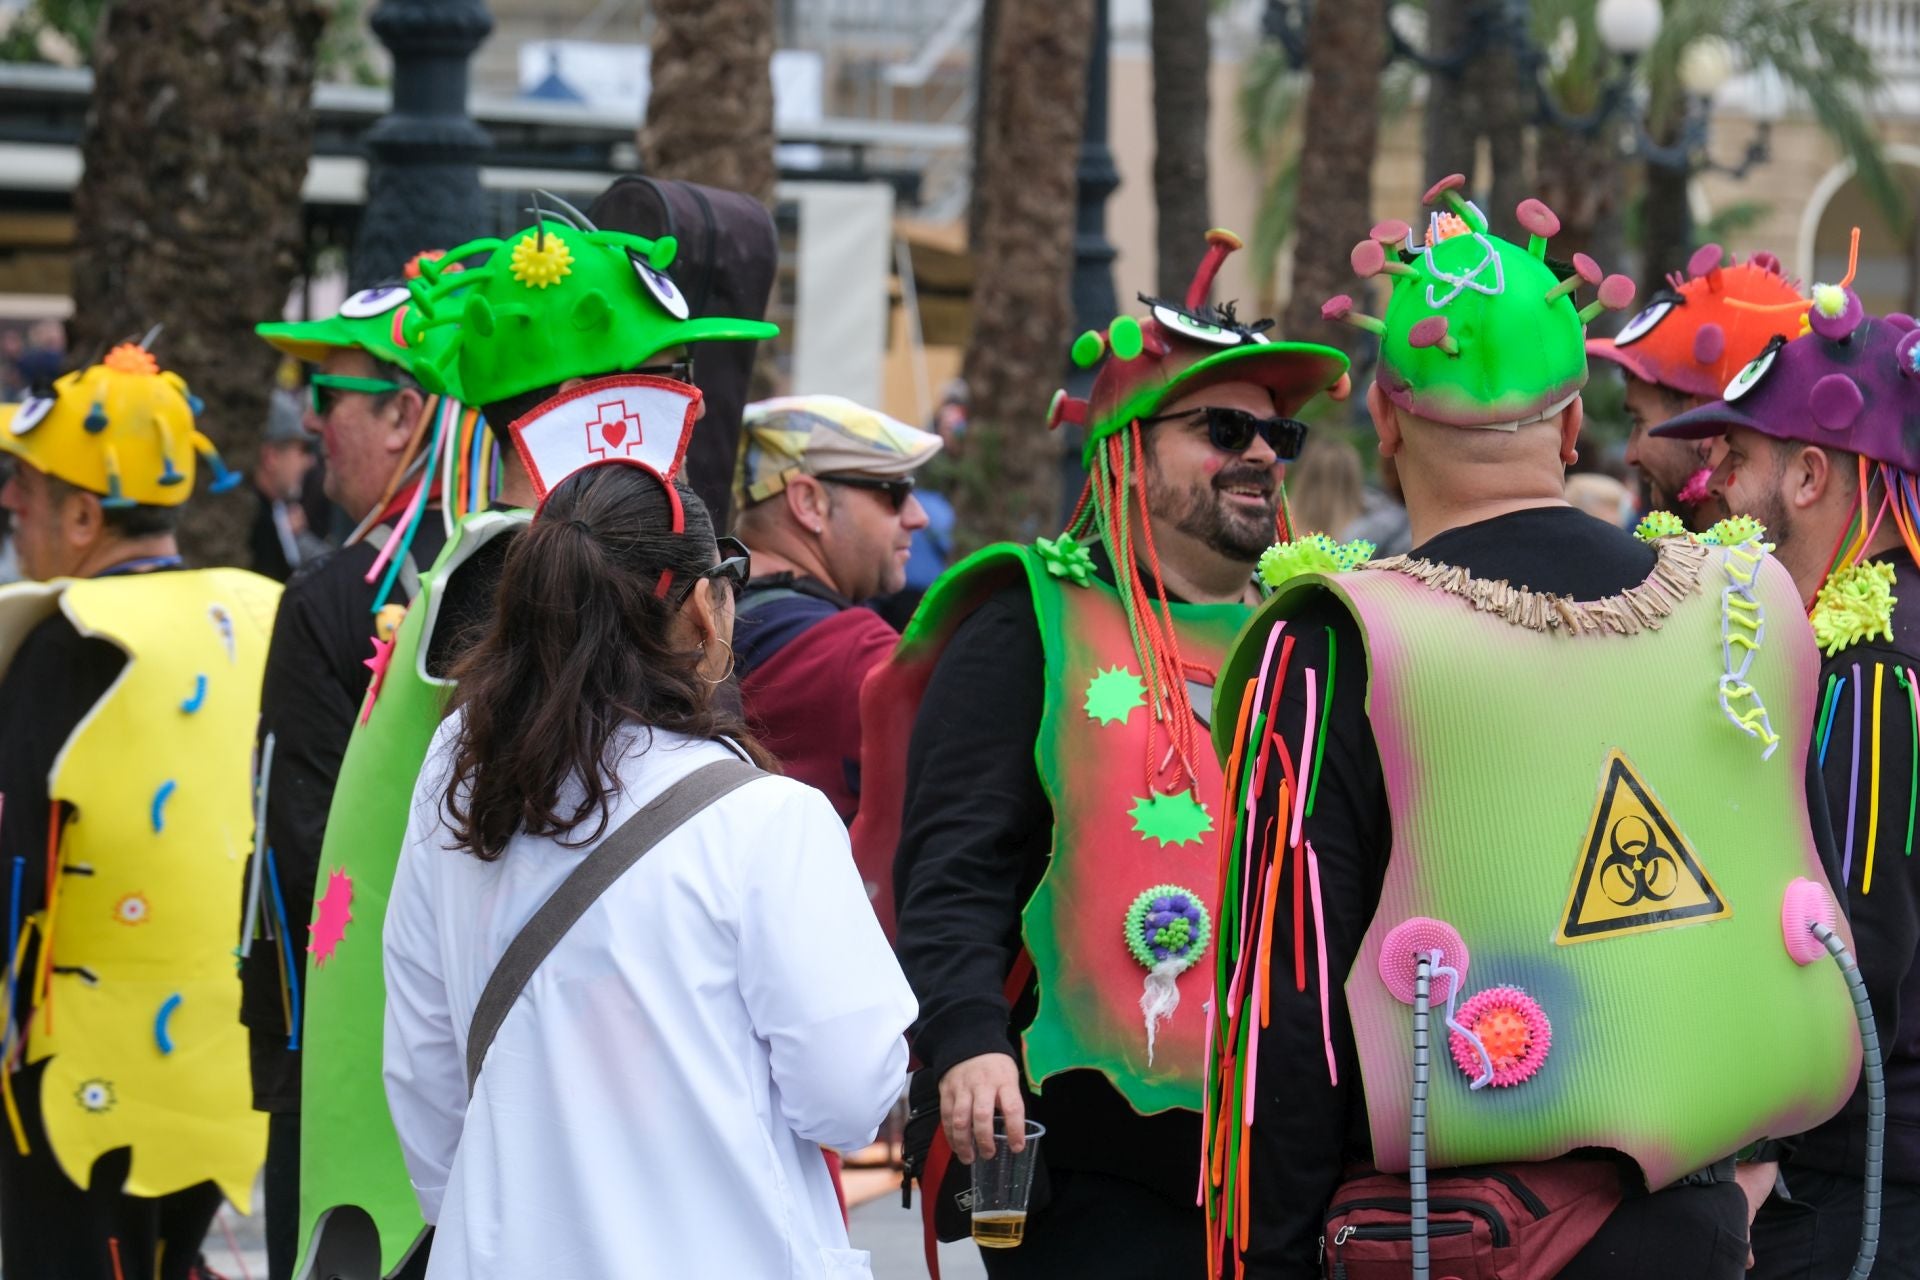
{"x":1705,"y":65}
{"x":1628,"y":27}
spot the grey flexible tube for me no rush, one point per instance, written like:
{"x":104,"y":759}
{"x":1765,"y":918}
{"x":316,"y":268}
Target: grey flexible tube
{"x":1876,"y":1072}
{"x":1417,"y":1138}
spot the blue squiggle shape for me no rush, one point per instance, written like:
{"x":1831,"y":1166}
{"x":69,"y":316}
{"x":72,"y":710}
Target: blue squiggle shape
{"x":199,"y":697}
{"x":160,"y":1019}
{"x":160,"y":798}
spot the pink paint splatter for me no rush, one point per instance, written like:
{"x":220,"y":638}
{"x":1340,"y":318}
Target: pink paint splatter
{"x":332,"y":916}
{"x":382,"y":655}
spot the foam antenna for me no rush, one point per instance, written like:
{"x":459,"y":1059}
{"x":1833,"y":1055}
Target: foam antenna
{"x":1836,"y":312}
{"x":1541,"y":224}
{"x":1339,"y":308}
{"x":1088,"y":348}
{"x":1391,"y":232}
{"x":1432,"y":332}
{"x":1705,"y":262}
{"x":1616,"y":294}
{"x":1448,"y":189}
{"x":1370,"y":258}
{"x":1585,"y":271}
{"x":1066,"y":410}
{"x":1220,"y":243}
{"x":1767,"y":262}
{"x":578,"y":220}
{"x":96,"y":419}
{"x":146,"y":343}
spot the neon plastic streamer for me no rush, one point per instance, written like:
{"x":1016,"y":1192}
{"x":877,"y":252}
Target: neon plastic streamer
{"x":1913,"y":778}
{"x":1320,"y":945}
{"x":1873,"y":793}
{"x":1853,"y":783}
{"x":1326,"y":718}
{"x":1307,"y":741}
{"x":1826,"y":716}
{"x":286,"y":943}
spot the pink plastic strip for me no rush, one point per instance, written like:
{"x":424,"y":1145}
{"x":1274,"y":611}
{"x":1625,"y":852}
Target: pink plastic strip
{"x":1306,"y":754}
{"x":1320,"y":945}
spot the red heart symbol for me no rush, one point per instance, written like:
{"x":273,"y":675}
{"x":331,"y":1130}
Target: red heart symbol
{"x":613,"y":432}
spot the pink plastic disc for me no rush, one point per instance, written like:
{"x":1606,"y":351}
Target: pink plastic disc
{"x":1452,"y":182}
{"x":1427,"y":333}
{"x":1537,"y":218}
{"x":1369,"y":258}
{"x":1411,"y":939}
{"x":1616,"y":293}
{"x":1705,"y":260}
{"x":1338,"y":307}
{"x":1392,"y":231}
{"x":1587,"y":269}
{"x":1806,"y":904}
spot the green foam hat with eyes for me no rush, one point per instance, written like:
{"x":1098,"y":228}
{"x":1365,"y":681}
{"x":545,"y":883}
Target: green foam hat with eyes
{"x":1479,"y":332}
{"x":374,"y":320}
{"x":558,"y":301}
{"x":1177,"y":348}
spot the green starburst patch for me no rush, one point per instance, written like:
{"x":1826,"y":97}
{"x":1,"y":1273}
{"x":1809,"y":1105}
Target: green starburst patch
{"x":1113,"y":694}
{"x":1171,"y":819}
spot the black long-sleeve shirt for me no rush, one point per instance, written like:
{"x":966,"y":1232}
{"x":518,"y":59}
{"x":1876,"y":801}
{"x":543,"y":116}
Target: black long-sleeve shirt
{"x":976,"y":834}
{"x":316,"y":677}
{"x":1873,"y":680}
{"x":1306,"y":1130}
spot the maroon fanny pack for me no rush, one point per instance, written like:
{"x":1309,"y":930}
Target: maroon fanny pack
{"x":1492,"y":1222}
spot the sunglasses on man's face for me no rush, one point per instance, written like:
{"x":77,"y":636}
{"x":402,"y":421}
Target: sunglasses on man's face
{"x":1233,"y":430}
{"x":325,"y":389}
{"x":677,"y":370}
{"x":898,"y":490}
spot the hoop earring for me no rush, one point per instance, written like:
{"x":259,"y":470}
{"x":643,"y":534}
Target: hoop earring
{"x":731,"y":662}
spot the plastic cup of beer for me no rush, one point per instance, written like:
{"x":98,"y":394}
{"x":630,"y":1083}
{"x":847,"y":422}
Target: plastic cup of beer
{"x":1001,"y":1183}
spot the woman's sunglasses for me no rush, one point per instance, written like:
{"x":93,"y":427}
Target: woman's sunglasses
{"x":1233,"y":430}
{"x":735,"y":567}
{"x":898,"y":490}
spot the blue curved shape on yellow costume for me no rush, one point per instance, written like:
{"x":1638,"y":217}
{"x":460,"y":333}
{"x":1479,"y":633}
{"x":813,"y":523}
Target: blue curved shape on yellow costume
{"x":160,"y":1035}
{"x":193,"y":704}
{"x":160,"y":802}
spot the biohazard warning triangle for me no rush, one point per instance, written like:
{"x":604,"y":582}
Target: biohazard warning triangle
{"x":1637,"y":871}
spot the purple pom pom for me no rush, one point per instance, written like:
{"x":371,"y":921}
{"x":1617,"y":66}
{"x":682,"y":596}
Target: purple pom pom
{"x":1835,"y":402}
{"x":1836,"y":312}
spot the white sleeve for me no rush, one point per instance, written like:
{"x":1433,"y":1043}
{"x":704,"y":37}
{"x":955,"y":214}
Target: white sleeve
{"x":425,"y":1073}
{"x":819,"y":979}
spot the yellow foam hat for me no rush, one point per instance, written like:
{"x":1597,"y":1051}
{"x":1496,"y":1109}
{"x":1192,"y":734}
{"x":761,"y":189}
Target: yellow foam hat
{"x":122,"y":428}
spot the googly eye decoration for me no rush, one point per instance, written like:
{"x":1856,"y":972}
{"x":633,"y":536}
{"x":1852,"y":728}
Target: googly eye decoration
{"x":33,"y":410}
{"x":1749,"y":378}
{"x":376,"y":301}
{"x":663,"y":289}
{"x":1188,"y":327}
{"x":1643,"y":324}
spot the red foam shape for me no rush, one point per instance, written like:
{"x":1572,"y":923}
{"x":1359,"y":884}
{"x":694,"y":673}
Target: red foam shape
{"x":1452,"y":182}
{"x":1338,"y":307}
{"x":1806,"y":904}
{"x":1417,"y":937}
{"x":1537,"y":218}
{"x":1587,"y":269}
{"x":1392,"y":231}
{"x":1369,"y":258}
{"x":1428,"y":333}
{"x":1616,"y":293}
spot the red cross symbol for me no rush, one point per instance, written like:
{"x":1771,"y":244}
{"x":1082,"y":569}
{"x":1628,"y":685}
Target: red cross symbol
{"x":614,"y":431}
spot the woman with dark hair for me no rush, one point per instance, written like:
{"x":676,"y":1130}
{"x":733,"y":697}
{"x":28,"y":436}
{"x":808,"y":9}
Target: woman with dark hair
{"x":657,"y":1093}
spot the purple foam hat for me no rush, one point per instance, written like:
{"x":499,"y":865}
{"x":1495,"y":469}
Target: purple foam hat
{"x":1851,"y":383}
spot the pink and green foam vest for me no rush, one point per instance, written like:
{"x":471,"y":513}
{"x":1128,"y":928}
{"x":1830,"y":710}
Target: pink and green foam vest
{"x":1095,"y":921}
{"x":1613,"y":852}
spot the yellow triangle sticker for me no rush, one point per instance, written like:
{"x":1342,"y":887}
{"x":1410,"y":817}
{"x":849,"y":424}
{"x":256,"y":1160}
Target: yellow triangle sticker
{"x":1637,"y":871}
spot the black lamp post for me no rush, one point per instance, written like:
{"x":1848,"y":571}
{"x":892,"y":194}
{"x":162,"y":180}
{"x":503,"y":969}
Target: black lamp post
{"x":423,"y":180}
{"x":1094,"y":301}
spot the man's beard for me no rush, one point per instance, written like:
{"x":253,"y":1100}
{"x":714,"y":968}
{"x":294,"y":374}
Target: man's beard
{"x":1202,"y":511}
{"x":1772,"y":514}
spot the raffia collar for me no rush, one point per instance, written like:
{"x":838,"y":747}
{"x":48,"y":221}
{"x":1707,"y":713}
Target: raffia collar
{"x":1675,"y":576}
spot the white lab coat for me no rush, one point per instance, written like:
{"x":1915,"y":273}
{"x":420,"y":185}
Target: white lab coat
{"x":656,"y":1101}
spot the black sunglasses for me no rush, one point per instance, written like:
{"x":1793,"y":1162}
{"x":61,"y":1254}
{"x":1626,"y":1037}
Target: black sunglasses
{"x":1233,"y":430}
{"x":897,"y":490}
{"x":678,"y":371}
{"x":735,"y":567}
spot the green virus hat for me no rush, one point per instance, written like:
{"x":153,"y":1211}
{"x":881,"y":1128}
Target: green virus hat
{"x":1479,"y":332}
{"x":561,"y":299}
{"x":374,"y":321}
{"x":1183,"y":347}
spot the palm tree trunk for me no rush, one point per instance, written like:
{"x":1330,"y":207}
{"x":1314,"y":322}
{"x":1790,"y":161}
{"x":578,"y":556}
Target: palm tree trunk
{"x":1182,"y":51}
{"x":1667,"y":221}
{"x":1023,"y":265}
{"x":188,"y":211}
{"x":1348,"y":43}
{"x":1450,"y":134}
{"x":710,"y":112}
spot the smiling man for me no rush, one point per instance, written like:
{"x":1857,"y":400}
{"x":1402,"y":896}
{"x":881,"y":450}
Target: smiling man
{"x":1057,"y":808}
{"x":827,"y":509}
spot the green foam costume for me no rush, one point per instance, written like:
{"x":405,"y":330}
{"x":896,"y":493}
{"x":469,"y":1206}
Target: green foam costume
{"x":349,"y":1155}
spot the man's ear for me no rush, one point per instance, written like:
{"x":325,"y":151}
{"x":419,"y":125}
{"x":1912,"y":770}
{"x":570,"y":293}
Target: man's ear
{"x":82,"y":519}
{"x":1385,"y":421}
{"x":405,"y":407}
{"x":1810,"y":474}
{"x":1572,"y":419}
{"x":807,"y":501}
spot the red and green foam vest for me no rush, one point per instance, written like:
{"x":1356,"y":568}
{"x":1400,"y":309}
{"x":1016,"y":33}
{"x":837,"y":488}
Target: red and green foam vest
{"x":1133,"y":872}
{"x":1613,"y":851}
{"x":349,"y":1154}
